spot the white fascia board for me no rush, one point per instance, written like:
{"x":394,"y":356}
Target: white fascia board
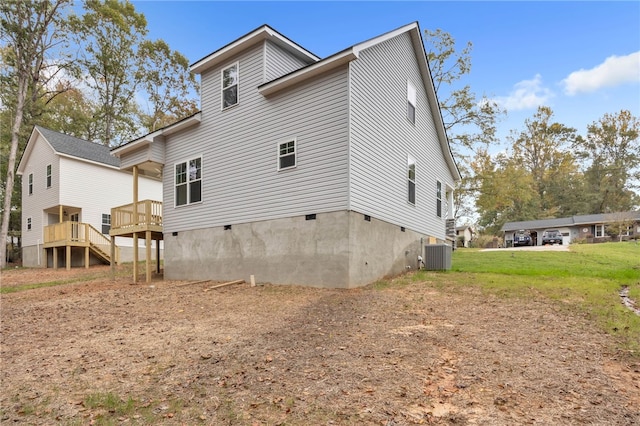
{"x":84,"y":160}
{"x":421,"y":55}
{"x":262,"y":33}
{"x":310,"y":71}
{"x":151,"y":137}
{"x":27,"y":151}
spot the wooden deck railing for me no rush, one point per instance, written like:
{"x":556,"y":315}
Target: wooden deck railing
{"x":78,"y":234}
{"x":143,"y":213}
{"x":74,"y":232}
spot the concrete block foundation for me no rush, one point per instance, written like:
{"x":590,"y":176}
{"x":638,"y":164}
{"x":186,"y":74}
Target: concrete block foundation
{"x":341,"y":249}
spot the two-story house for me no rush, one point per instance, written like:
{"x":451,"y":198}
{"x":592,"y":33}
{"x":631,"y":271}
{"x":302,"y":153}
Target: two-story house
{"x":327,"y":172}
{"x":69,"y":186}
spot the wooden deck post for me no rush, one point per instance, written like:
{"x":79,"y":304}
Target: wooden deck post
{"x":135,"y":257}
{"x":68,"y":257}
{"x":55,"y":257}
{"x":112,"y":262}
{"x":86,"y":257}
{"x":148,"y":255}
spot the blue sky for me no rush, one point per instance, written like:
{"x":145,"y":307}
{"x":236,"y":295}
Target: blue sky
{"x":581,"y":58}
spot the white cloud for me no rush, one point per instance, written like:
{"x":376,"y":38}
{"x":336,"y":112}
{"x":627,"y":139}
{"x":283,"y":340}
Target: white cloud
{"x":526,"y":94}
{"x":614,"y":71}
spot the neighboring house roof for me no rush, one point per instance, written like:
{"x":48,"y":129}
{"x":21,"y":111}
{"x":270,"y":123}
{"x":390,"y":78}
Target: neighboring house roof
{"x":70,"y":146}
{"x":570,"y":221}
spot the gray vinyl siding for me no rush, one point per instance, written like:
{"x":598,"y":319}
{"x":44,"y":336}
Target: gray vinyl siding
{"x":382,"y":137}
{"x":240,"y":180}
{"x":153,"y":152}
{"x":278,"y":62}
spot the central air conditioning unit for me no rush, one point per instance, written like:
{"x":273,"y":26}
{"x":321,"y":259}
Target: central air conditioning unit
{"x":437,"y":257}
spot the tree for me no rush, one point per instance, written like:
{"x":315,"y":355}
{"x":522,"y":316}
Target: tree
{"x":31,"y":29}
{"x":611,"y":152}
{"x":109,"y":34}
{"x":167,"y":81}
{"x":542,"y":150}
{"x":505,"y":191}
{"x":470,"y":123}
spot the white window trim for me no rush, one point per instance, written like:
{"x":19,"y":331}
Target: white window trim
{"x":103,"y":223}
{"x":49,"y":178}
{"x":600,"y":227}
{"x":412,"y":160}
{"x":411,"y":99}
{"x":295,"y":153}
{"x":30,"y":184}
{"x":29,"y":224}
{"x":188,"y":203}
{"x":222,"y":87}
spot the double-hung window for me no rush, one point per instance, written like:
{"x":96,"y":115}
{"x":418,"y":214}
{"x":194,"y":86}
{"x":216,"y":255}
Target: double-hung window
{"x":30,"y":183}
{"x":49,"y":176}
{"x":439,"y":198}
{"x":188,"y":181}
{"x":28,"y":224}
{"x":287,"y":154}
{"x":106,"y":223}
{"x":411,"y":179}
{"x":411,"y":103}
{"x":599,"y":230}
{"x":230,"y":86}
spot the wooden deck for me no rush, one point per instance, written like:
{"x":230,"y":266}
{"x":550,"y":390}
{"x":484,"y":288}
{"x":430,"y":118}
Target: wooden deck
{"x":77,"y":234}
{"x":137,"y":218}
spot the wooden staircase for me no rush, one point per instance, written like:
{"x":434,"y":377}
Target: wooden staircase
{"x":77,"y":234}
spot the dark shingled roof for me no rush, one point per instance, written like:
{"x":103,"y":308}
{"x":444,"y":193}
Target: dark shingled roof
{"x":80,"y":148}
{"x":569,"y":221}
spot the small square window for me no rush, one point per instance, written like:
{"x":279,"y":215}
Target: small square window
{"x":286,"y":155}
{"x":230,"y":86}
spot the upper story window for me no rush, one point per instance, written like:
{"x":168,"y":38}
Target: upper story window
{"x":106,"y":223}
{"x":230,"y":86}
{"x":439,"y":198}
{"x":411,"y":103}
{"x":49,"y":176}
{"x":30,"y":183}
{"x":287,"y":155}
{"x":188,"y":180}
{"x":28,"y":224}
{"x":411,"y":179}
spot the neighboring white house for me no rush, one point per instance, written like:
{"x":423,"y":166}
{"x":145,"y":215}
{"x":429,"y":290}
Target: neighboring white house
{"x":69,"y":186}
{"x":327,"y":172}
{"x":465,"y":235}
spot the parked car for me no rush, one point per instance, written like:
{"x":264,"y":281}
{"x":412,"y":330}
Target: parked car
{"x":551,"y":236}
{"x":522,"y":238}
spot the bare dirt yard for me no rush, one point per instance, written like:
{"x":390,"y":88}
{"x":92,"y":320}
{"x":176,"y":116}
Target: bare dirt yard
{"x":93,"y":351}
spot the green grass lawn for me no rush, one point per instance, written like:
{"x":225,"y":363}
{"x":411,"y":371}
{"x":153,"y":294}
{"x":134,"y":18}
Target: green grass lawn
{"x":588,"y":278}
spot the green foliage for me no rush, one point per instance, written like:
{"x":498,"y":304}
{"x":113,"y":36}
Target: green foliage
{"x":587,"y":278}
{"x":611,"y":152}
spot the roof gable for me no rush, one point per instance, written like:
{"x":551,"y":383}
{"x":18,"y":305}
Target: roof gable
{"x":353,"y":53}
{"x":69,"y":146}
{"x":262,"y":33}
